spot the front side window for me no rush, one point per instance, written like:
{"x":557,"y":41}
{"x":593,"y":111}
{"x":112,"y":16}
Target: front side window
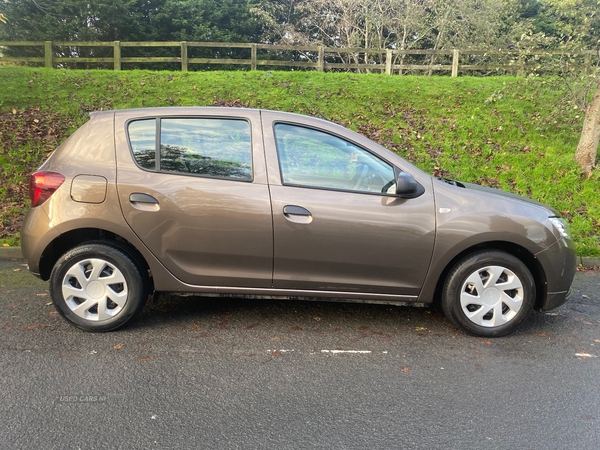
{"x":210,"y":147}
{"x":312,"y":158}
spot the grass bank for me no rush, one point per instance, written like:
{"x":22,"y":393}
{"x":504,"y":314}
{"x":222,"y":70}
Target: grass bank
{"x":496,"y":131}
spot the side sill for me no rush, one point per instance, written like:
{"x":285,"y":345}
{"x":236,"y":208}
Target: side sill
{"x":287,"y":294}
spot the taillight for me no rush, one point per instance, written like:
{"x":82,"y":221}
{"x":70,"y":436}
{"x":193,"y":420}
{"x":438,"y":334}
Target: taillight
{"x":42,"y":185}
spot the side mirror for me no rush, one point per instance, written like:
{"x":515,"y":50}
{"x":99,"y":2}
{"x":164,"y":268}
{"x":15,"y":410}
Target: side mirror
{"x":407,"y":186}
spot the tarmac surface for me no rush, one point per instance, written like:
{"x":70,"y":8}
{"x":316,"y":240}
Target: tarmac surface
{"x":195,"y":372}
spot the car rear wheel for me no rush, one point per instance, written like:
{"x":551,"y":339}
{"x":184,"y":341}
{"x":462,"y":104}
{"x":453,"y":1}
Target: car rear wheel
{"x":98,"y":287}
{"x":488,"y":293}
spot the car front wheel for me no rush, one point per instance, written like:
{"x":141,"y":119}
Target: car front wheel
{"x":98,"y":287}
{"x":488,"y":293}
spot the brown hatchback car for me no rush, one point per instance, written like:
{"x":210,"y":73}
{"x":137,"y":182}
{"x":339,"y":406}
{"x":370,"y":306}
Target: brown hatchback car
{"x":247,"y":202}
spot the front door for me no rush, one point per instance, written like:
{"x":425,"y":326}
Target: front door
{"x":337,"y":224}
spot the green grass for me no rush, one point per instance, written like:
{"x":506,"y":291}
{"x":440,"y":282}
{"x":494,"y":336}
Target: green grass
{"x":497,"y":131}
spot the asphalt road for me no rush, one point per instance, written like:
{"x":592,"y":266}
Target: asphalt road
{"x":195,"y":373}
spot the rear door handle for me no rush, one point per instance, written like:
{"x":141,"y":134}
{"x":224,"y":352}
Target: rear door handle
{"x":297,"y":214}
{"x":138,"y":197}
{"x":143,"y":202}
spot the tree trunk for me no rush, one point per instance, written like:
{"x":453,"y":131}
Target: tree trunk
{"x":587,"y":148}
{"x":438,"y":39}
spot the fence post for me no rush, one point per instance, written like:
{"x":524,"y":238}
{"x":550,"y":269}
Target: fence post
{"x":388,"y":61}
{"x":48,"y":54}
{"x":253,"y":56}
{"x":520,"y":65}
{"x":455,"y":55}
{"x":184,"y":56}
{"x":117,"y":55}
{"x":321,"y":62}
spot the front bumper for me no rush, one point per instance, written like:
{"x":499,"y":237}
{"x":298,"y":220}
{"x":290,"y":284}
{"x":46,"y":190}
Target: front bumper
{"x":559,"y":264}
{"x":556,"y":299}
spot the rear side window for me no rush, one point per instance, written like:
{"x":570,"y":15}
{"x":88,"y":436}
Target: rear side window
{"x":198,"y":146}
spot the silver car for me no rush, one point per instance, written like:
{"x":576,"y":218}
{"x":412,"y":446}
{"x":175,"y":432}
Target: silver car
{"x":263,"y":203}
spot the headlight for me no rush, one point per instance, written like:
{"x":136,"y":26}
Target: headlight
{"x":562,"y":226}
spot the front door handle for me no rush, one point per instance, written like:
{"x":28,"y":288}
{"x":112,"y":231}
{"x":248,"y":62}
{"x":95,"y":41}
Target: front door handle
{"x":297,"y":214}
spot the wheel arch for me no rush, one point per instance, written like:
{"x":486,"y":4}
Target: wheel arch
{"x":513,"y":249}
{"x":73,"y":238}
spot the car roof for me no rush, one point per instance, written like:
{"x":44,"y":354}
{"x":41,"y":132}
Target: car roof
{"x":216,"y":110}
{"x":175,"y":109}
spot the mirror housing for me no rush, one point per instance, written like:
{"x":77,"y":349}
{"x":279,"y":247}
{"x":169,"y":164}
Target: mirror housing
{"x":407,"y":186}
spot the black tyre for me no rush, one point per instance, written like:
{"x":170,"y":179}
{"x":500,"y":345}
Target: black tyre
{"x":98,"y":287}
{"x":488,"y":293}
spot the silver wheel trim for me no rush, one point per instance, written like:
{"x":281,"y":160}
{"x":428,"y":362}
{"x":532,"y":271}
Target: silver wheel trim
{"x":94,"y":289}
{"x":491,"y":296}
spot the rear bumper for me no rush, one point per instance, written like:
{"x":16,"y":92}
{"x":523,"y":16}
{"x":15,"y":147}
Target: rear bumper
{"x":37,"y":233}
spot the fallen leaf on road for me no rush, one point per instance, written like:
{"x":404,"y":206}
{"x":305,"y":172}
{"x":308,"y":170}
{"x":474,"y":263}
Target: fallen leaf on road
{"x":5,"y":245}
{"x":118,"y":346}
{"x":585,"y":355}
{"x":485,"y":342}
{"x":548,"y":335}
{"x":405,"y":369}
{"x":42,"y":295}
{"x":420,"y":328}
{"x":48,"y":304}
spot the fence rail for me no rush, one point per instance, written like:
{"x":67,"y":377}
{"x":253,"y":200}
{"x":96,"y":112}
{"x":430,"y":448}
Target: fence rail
{"x":63,"y":54}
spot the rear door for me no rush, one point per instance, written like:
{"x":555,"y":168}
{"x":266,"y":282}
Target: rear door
{"x":337,"y":227}
{"x":192,"y":186}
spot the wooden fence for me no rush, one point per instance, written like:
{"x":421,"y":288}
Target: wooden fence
{"x":64,"y":54}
